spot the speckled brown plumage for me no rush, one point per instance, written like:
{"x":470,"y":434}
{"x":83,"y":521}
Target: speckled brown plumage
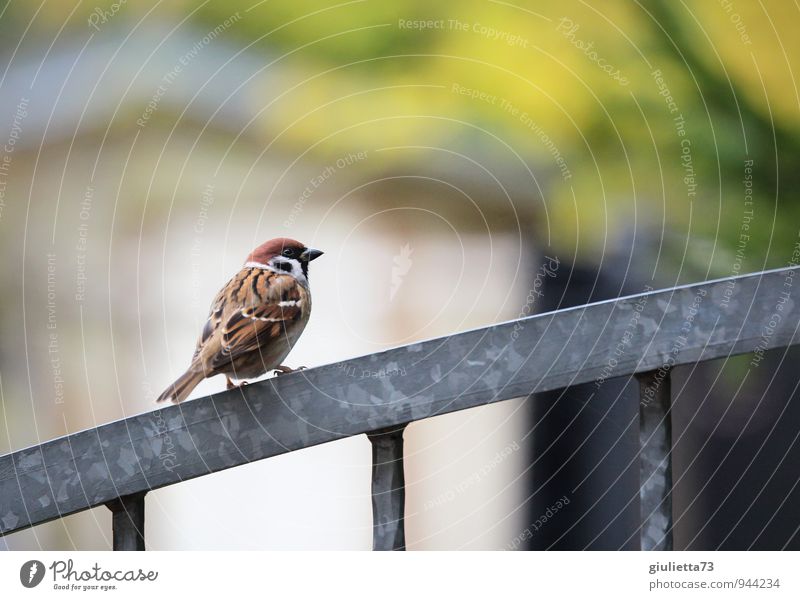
{"x":255,"y":319}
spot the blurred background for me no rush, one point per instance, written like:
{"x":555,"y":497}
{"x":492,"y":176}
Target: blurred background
{"x":445,"y":156}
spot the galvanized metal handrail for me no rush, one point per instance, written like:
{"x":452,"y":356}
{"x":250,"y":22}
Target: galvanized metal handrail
{"x":117,"y":463}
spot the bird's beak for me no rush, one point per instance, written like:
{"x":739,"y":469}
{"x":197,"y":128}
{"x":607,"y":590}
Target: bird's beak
{"x":310,"y":254}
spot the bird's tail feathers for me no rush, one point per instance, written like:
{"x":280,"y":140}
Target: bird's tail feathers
{"x":183,"y":386}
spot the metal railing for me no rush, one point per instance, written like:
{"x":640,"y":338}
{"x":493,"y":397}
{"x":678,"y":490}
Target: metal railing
{"x":116,"y":464}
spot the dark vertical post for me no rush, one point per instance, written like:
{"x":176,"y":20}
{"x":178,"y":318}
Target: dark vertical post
{"x":655,"y":447}
{"x":128,"y":521}
{"x":388,"y":489}
{"x":571,"y":453}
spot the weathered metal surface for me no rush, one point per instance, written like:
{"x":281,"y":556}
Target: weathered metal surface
{"x":655,"y":459}
{"x":388,"y":489}
{"x":128,"y":522}
{"x":540,"y":353}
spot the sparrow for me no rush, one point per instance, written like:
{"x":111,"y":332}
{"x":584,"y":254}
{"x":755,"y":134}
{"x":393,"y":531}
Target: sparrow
{"x":255,"y":318}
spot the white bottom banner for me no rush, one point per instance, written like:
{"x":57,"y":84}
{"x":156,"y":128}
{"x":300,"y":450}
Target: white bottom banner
{"x":396,"y":575}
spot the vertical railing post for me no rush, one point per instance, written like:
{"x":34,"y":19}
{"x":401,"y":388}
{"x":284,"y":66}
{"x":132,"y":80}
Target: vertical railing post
{"x":655,"y":447}
{"x":128,"y":522}
{"x":388,"y":489}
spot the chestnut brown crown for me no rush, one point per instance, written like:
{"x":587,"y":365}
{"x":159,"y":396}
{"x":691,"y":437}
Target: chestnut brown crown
{"x":286,"y":247}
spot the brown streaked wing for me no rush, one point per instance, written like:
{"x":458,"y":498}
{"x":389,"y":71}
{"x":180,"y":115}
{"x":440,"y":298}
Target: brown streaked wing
{"x":216,"y":312}
{"x":249,"y":329}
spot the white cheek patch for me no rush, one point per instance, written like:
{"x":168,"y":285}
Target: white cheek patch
{"x":296,"y":270}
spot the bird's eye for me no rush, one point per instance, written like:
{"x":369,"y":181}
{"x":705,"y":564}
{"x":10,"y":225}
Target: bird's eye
{"x":289,"y":252}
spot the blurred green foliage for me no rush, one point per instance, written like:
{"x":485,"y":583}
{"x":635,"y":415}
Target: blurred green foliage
{"x":730,"y":68}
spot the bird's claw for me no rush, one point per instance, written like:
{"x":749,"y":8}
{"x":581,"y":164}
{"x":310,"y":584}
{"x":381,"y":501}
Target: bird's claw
{"x":231,"y":386}
{"x":284,"y":370}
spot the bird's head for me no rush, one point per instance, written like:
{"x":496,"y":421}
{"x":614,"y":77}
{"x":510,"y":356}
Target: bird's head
{"x":284,"y":254}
